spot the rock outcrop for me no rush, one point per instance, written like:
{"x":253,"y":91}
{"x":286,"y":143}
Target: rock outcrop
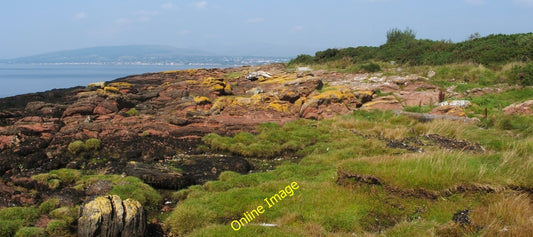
{"x":524,"y":108}
{"x":111,"y":216}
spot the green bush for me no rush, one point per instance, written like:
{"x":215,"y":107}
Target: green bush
{"x":403,"y":47}
{"x":371,"y":67}
{"x":31,"y":232}
{"x":522,"y":75}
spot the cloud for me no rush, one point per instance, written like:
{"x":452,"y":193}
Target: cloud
{"x":80,"y":15}
{"x":201,"y":5}
{"x":184,"y":32}
{"x":475,"y":2}
{"x":255,"y":20}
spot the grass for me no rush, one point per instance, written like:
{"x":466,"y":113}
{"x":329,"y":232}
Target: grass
{"x":356,"y":143}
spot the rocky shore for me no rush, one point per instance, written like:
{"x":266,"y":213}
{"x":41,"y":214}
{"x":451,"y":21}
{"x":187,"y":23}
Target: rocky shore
{"x":150,"y":126}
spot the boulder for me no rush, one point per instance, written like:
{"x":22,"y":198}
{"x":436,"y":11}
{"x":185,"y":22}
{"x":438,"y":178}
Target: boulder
{"x":525,"y":108}
{"x":416,"y":98}
{"x":111,"y":216}
{"x":448,"y":110}
{"x":457,"y":103}
{"x":158,"y":176}
{"x":383,"y":103}
{"x":254,"y":76}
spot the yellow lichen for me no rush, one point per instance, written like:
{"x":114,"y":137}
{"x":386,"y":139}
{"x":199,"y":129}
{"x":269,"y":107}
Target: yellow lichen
{"x":193,"y":82}
{"x":280,"y":106}
{"x":227,"y":89}
{"x":120,"y":85}
{"x":201,"y":99}
{"x":111,"y":89}
{"x":335,"y":95}
{"x":214,"y":84}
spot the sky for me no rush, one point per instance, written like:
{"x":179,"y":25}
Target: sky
{"x":248,"y":27}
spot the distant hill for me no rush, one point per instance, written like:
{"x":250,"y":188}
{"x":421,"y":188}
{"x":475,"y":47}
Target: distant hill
{"x":115,"y":54}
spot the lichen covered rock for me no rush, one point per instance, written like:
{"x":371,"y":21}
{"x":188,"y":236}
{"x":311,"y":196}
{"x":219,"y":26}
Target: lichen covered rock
{"x":111,"y":216}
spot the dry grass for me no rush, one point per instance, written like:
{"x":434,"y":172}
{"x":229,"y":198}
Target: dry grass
{"x":509,"y":215}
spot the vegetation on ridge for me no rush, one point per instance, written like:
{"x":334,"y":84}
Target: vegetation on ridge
{"x":403,"y":48}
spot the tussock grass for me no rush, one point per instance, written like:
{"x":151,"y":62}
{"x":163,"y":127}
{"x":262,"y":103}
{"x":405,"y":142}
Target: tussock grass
{"x":437,"y":172}
{"x":356,"y":143}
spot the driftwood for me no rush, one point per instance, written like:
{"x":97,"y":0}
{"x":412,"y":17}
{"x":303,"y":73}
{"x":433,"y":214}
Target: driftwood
{"x":422,"y":117}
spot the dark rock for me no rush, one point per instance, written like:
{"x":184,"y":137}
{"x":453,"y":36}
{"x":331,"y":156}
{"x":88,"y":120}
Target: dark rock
{"x":100,"y":187}
{"x":158,"y":176}
{"x":462,"y":218}
{"x":111,"y":216}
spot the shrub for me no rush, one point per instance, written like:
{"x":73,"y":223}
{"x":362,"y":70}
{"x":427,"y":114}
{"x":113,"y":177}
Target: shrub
{"x":31,"y":232}
{"x":522,"y":75}
{"x":371,"y":67}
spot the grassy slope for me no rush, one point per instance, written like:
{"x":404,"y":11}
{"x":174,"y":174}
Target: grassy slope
{"x":356,"y":144}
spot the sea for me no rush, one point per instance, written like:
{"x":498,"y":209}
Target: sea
{"x":16,"y":79}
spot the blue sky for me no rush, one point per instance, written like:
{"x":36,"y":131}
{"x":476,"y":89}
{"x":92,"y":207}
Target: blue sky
{"x":248,"y":27}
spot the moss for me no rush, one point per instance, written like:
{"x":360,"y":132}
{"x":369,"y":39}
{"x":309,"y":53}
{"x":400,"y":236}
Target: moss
{"x":68,"y":214}
{"x":55,"y":178}
{"x":49,"y":205}
{"x":125,"y":187}
{"x":9,"y":227}
{"x":132,"y":112}
{"x":25,"y":214}
{"x":92,"y":144}
{"x":76,"y":146}
{"x":30,"y":232}
{"x":58,"y":228}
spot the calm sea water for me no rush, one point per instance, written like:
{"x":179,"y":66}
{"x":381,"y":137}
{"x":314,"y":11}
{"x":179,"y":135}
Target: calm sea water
{"x":18,"y":79}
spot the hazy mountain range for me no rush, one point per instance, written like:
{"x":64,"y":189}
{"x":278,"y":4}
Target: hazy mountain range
{"x":140,"y":54}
